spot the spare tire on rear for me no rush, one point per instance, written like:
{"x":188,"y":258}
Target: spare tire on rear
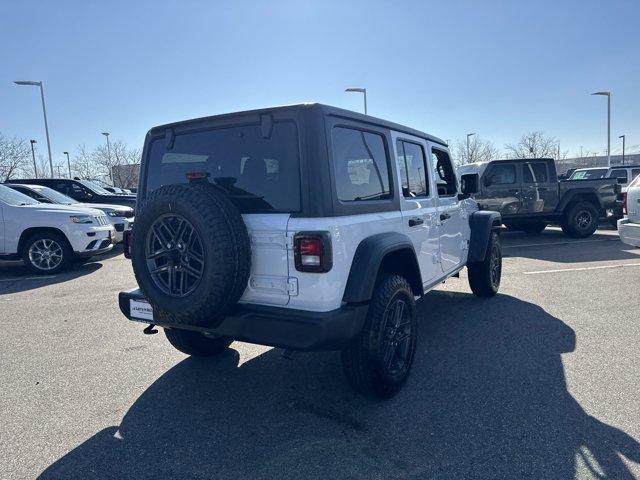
{"x":191,"y":254}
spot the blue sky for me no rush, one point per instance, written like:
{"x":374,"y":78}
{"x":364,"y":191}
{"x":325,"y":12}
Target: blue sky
{"x":499,"y":68}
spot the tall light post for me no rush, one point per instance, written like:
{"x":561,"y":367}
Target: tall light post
{"x":360,"y":90}
{"x":608,"y":95}
{"x":68,"y":163}
{"x":469,"y":135}
{"x":44,"y":111}
{"x":106,"y":134}
{"x":33,"y":155}
{"x":623,"y":137}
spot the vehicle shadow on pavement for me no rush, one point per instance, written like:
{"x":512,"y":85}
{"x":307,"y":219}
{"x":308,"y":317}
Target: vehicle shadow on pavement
{"x":487,"y":398}
{"x":554,"y":246}
{"x":15,"y":277}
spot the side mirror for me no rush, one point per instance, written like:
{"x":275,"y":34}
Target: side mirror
{"x":469,"y":184}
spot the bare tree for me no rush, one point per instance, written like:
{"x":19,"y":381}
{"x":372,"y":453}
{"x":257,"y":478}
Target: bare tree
{"x":14,"y":156}
{"x":113,"y":164}
{"x":479,"y":151}
{"x":533,"y":145}
{"x":83,"y":164}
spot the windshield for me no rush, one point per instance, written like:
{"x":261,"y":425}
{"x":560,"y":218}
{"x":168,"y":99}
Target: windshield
{"x":260,"y":172}
{"x":55,"y":197}
{"x":11,"y":197}
{"x":94,"y":187}
{"x":594,"y":174}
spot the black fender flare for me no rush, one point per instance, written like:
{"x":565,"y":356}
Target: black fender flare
{"x":482,"y":223}
{"x":573,"y":193}
{"x":367,"y":261}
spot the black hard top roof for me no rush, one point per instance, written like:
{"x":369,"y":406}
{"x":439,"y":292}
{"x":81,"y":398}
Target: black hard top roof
{"x":326,"y":109}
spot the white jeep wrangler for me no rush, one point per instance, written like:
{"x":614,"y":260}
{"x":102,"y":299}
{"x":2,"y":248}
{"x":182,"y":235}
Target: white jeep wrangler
{"x":304,"y":227}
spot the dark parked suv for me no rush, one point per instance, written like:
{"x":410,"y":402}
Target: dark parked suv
{"x":83,"y":191}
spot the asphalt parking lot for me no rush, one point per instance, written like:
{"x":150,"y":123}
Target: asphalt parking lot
{"x":541,"y":381}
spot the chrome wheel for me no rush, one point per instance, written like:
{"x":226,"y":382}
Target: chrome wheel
{"x":495,"y":265}
{"x":45,"y":254}
{"x":174,"y":255}
{"x":396,"y":343}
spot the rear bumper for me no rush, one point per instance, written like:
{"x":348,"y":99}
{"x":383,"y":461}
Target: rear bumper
{"x":276,"y":326}
{"x":629,"y":232}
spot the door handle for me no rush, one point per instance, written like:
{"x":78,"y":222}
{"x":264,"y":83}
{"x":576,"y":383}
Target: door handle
{"x":542,"y":189}
{"x":414,"y":222}
{"x":444,"y":216}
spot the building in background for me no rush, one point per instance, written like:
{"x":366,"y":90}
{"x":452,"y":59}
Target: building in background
{"x":596,"y":161}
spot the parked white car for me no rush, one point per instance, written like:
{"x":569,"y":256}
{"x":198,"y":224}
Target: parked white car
{"x":120,"y":216}
{"x":626,"y":173}
{"x":49,"y":237}
{"x":629,"y":227}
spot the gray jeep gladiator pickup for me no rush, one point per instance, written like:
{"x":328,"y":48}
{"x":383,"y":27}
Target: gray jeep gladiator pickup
{"x":529,"y":196}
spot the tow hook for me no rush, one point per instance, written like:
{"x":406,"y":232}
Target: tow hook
{"x":149,"y":330}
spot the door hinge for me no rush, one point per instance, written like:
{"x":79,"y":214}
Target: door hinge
{"x":292,"y":286}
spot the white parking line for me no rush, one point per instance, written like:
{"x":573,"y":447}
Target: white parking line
{"x":561,"y":243}
{"x":580,"y":269}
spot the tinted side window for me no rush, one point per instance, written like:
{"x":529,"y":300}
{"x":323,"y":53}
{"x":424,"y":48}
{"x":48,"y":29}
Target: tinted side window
{"x":619,"y":173}
{"x":535,"y":172}
{"x":635,"y":172}
{"x":411,"y":161}
{"x":361,"y":165}
{"x":503,"y":174}
{"x":444,"y":174}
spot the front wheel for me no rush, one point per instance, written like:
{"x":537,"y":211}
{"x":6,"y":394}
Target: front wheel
{"x":195,"y":343}
{"x":378,"y":360}
{"x":46,"y":253}
{"x":484,"y":276}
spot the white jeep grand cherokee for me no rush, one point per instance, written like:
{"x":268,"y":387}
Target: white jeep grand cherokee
{"x":47,"y":237}
{"x":305,"y":227}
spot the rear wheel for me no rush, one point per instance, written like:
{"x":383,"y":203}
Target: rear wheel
{"x":484,"y":276}
{"x":378,"y":361}
{"x":46,"y":253}
{"x":580,"y":220}
{"x":195,"y":343}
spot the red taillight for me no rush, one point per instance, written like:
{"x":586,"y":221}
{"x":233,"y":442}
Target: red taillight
{"x":624,"y":203}
{"x":312,"y":252}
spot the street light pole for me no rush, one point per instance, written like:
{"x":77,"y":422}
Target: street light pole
{"x":44,"y":111}
{"x":468,"y":150}
{"x":68,"y":163}
{"x":33,"y":154}
{"x":623,"y":137}
{"x":360,"y":90}
{"x":106,"y":134}
{"x":608,"y":95}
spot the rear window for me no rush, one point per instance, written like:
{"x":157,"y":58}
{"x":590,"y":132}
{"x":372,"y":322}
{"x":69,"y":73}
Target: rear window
{"x":261,"y":173}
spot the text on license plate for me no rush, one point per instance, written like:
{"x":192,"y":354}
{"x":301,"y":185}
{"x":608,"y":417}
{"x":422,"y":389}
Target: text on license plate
{"x":140,"y":309}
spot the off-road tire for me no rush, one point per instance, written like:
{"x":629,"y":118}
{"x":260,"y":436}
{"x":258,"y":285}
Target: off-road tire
{"x":65,"y":249}
{"x":363,"y":360}
{"x":572,"y":222}
{"x":535,"y":228}
{"x":195,"y":343}
{"x":484,"y":276}
{"x":226,"y":253}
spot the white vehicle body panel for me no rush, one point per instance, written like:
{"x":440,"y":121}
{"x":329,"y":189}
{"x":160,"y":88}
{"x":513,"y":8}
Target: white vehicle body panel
{"x":441,"y":246}
{"x":16,"y":219}
{"x":629,"y":228}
